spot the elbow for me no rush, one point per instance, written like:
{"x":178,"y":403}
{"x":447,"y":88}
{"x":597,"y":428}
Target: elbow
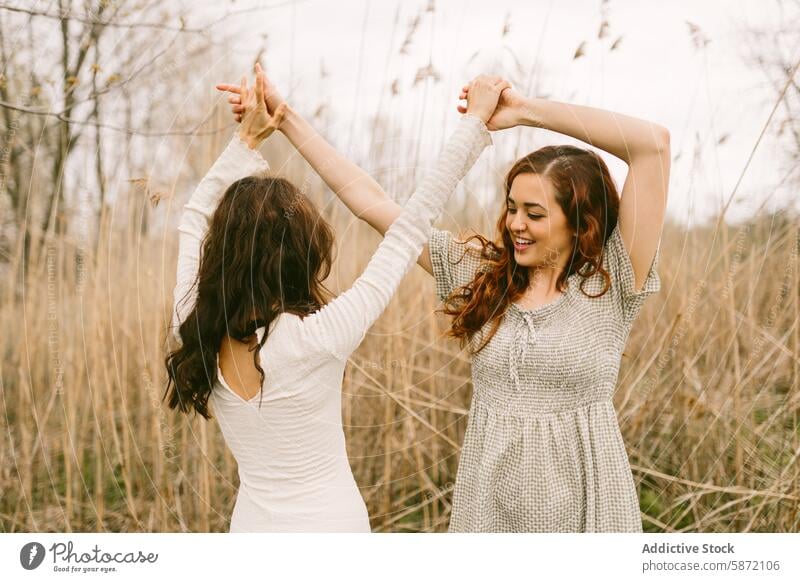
{"x":654,"y":144}
{"x":662,"y":140}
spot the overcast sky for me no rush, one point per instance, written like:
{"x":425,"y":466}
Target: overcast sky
{"x":656,"y":73}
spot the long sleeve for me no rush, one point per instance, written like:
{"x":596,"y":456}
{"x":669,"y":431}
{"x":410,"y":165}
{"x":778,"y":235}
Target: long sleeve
{"x":236,"y":161}
{"x":340,"y":326}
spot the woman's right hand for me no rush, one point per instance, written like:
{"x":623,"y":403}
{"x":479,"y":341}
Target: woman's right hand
{"x":482,"y":96}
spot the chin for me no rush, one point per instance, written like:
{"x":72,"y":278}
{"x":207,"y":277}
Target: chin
{"x":524,"y":261}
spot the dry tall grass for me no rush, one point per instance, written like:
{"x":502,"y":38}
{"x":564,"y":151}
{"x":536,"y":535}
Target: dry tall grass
{"x":707,"y":398}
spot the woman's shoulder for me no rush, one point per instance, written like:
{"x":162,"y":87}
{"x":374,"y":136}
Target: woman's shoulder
{"x":456,"y":260}
{"x":465,"y":243}
{"x":292,"y":337}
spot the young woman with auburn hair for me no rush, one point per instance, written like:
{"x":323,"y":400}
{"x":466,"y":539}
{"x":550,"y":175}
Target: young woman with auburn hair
{"x":258,"y":340}
{"x":545,"y":309}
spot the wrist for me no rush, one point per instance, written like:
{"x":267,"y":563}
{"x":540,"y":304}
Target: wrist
{"x":479,"y":115}
{"x":478,"y":119}
{"x":291,"y":122}
{"x":252,"y":141}
{"x":527,"y":112}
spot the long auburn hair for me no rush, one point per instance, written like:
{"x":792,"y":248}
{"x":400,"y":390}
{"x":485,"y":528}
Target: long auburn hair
{"x":589,"y":199}
{"x":267,"y":251}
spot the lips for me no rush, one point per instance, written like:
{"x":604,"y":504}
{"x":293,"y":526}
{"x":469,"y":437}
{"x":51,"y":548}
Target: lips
{"x":520,"y":244}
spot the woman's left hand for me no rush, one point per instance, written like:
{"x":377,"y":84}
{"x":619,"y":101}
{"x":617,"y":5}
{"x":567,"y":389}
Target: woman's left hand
{"x":257,"y":123}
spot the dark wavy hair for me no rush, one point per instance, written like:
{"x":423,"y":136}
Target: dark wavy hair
{"x":589,"y":199}
{"x":267,"y":251}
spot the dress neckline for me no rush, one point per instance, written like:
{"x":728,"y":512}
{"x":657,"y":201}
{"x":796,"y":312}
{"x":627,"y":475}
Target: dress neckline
{"x":541,"y":311}
{"x":239,"y":397}
{"x":221,"y":379}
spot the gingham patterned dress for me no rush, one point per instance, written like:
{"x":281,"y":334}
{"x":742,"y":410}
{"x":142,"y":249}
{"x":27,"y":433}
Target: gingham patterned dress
{"x":543,"y":451}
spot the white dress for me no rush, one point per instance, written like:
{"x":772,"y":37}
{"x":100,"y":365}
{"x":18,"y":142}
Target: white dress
{"x":293,"y":468}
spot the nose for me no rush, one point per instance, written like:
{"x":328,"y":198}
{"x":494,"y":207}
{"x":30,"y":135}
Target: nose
{"x":517,"y":224}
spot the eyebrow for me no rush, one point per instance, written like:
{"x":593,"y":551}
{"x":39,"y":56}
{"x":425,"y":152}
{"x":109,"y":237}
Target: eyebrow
{"x":525,"y":204}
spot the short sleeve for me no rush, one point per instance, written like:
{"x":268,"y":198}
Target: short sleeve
{"x":617,"y":262}
{"x":454,"y":263}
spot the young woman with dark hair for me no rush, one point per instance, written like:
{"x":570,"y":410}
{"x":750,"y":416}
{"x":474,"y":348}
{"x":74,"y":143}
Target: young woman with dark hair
{"x":545,"y":309}
{"x":257,"y":339}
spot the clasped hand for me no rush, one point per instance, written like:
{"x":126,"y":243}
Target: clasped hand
{"x":262,"y":109}
{"x":257,"y":121}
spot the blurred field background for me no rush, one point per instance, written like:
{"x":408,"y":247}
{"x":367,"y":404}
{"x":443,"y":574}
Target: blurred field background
{"x":108,"y":126}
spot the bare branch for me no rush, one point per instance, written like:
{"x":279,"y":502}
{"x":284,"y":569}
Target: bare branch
{"x":66,"y":15}
{"x":127,"y":130}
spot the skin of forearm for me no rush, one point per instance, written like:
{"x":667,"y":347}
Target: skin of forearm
{"x":355,"y":188}
{"x":252,"y":141}
{"x":621,"y":135}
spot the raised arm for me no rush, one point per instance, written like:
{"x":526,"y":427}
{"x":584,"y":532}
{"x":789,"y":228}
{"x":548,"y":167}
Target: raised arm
{"x":356,"y":188}
{"x":362,"y":195}
{"x":643,"y":145}
{"x":238,"y":160}
{"x":341,"y":325}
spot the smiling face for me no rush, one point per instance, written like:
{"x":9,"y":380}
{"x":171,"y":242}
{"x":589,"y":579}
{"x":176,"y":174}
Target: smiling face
{"x":536,"y":223}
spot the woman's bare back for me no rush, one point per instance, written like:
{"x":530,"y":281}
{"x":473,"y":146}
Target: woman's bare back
{"x":237,"y":366}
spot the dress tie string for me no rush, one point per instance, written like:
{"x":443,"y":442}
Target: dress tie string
{"x":523,"y":335}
